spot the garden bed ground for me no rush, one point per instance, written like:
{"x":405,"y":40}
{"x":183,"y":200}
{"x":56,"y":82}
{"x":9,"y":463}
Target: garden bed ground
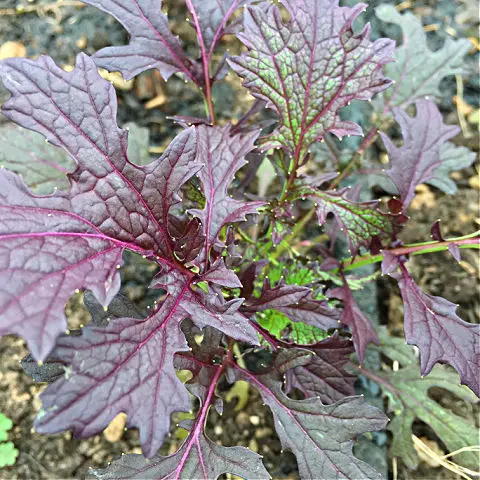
{"x":65,"y":32}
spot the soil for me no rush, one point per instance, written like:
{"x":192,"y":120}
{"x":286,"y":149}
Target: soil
{"x":67,"y":31}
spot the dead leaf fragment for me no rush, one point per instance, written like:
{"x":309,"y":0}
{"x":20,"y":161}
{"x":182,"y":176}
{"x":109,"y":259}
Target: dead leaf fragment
{"x":474,"y":182}
{"x":425,"y":454}
{"x":12,"y":50}
{"x":81,"y":43}
{"x":114,"y":432}
{"x":157,"y":101}
{"x":116,"y":79}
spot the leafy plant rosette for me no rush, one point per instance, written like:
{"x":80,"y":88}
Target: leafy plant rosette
{"x":235,"y":285}
{"x":8,"y":452}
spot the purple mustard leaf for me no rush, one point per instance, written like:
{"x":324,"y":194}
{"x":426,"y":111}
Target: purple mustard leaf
{"x":53,"y":367}
{"x":248,"y":274}
{"x":361,"y":222}
{"x":432,"y":325}
{"x":77,"y":111}
{"x":125,"y":367}
{"x":316,"y":313}
{"x":320,"y":436}
{"x":281,"y":295}
{"x":310,"y":67}
{"x":418,"y":159}
{"x":417,"y":70}
{"x":208,"y":309}
{"x":46,"y":254}
{"x":189,"y":242}
{"x":202,"y":361}
{"x":324,"y":375}
{"x":198,"y":457}
{"x":223,"y":155}
{"x":212,"y":17}
{"x":436,"y":231}
{"x":360,"y":326}
{"x":221,"y":275}
{"x":296,"y":302}
{"x":389,"y":263}
{"x":454,"y":249}
{"x":152,"y":44}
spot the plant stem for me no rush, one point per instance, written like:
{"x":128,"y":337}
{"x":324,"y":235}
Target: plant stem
{"x":299,"y":226}
{"x":207,"y":89}
{"x":367,"y":141}
{"x":415,"y":249}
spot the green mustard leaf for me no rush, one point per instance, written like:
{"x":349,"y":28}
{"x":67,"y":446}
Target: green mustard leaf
{"x":309,"y":67}
{"x":417,"y":70}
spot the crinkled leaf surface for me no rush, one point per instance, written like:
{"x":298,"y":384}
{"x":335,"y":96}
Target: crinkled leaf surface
{"x":310,"y":67}
{"x":409,"y":400}
{"x":125,"y":367}
{"x":359,"y":221}
{"x":129,"y":366}
{"x":297,"y":303}
{"x":46,"y":253}
{"x":352,"y":316}
{"x":42,"y":167}
{"x":52,"y":246}
{"x":152,"y":44}
{"x":418,"y":160}
{"x":320,"y":436}
{"x":223,"y":155}
{"x":324,"y":375}
{"x":124,"y":201}
{"x":452,"y":158}
{"x":417,"y":70}
{"x":198,"y":457}
{"x":431,"y":323}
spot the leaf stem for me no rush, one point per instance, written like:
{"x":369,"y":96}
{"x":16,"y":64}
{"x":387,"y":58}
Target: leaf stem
{"x":207,"y":89}
{"x":415,"y":249}
{"x":298,"y":228}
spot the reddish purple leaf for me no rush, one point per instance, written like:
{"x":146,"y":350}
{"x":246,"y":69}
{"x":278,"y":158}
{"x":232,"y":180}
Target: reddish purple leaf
{"x":128,"y":367}
{"x":221,"y":275}
{"x":46,"y":253}
{"x":324,"y":375}
{"x":124,"y":201}
{"x":213,"y":15}
{"x":296,"y":303}
{"x":223,"y":155}
{"x":152,"y":44}
{"x":361,"y":327}
{"x":198,"y":458}
{"x":320,"y":436}
{"x":310,"y":67}
{"x":431,"y":323}
{"x":419,"y":157}
{"x":361,"y":222}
